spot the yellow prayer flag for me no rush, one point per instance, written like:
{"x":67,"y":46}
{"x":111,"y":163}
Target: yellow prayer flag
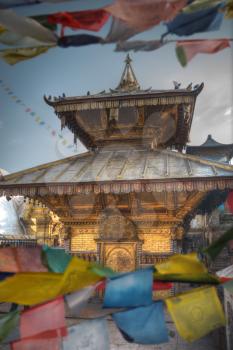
{"x":196,"y":313}
{"x":13,"y":56}
{"x":182,"y":264}
{"x":2,"y":29}
{"x":36,"y":288}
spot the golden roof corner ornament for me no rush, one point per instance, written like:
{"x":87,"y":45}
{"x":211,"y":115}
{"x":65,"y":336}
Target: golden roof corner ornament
{"x":128,"y":80}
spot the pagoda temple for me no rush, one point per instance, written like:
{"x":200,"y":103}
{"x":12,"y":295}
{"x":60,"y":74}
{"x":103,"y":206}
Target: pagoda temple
{"x":128,"y":201}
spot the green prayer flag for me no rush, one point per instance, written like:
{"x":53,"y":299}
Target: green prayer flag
{"x":56,"y":259}
{"x":216,"y":247}
{"x":202,"y":278}
{"x":8,"y":323}
{"x":229,"y":286}
{"x":103,"y":271}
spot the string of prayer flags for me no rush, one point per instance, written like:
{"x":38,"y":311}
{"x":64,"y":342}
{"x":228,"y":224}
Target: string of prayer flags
{"x":29,"y":111}
{"x":91,"y":335}
{"x":14,"y":56}
{"x":21,"y":259}
{"x":198,"y":5}
{"x":139,"y":45}
{"x":196,"y":22}
{"x":196,"y":312}
{"x":187,"y":49}
{"x":92,"y":20}
{"x":40,"y":287}
{"x":144,"y":14}
{"x":46,"y":320}
{"x":26,"y":26}
{"x":56,"y":259}
{"x":129,"y":289}
{"x":8,"y":323}
{"x":78,"y":40}
{"x":143,"y":325}
{"x":216,"y":247}
{"x":182,"y":264}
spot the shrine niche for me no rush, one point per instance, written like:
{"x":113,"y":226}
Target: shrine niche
{"x":116,"y":227}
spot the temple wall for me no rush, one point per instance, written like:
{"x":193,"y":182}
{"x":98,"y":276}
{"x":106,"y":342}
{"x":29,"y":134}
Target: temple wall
{"x":156,"y":243}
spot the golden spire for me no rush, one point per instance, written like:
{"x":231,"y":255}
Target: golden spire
{"x":128,"y":80}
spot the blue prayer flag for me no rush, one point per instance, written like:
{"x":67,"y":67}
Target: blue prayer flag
{"x":143,"y":325}
{"x":130,"y":289}
{"x":196,"y":22}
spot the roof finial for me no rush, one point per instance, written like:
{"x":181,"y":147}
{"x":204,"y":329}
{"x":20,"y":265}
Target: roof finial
{"x":128,"y":80}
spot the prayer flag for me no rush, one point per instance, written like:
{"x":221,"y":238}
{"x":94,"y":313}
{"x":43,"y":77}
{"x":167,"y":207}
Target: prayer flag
{"x":78,"y":300}
{"x":8,"y":323}
{"x":21,"y":259}
{"x":26,"y":26}
{"x":139,"y":45}
{"x":103,"y":271}
{"x":37,"y":344}
{"x":216,"y":247}
{"x":187,"y":49}
{"x":11,"y":38}
{"x":202,"y":278}
{"x":196,"y":22}
{"x":43,"y":319}
{"x":35,"y":288}
{"x":78,"y":40}
{"x":91,"y":335}
{"x":88,"y":19}
{"x":130,"y":289}
{"x":119,"y":31}
{"x":229,"y":286}
{"x":143,"y":325}
{"x":56,"y":259}
{"x":13,"y":56}
{"x":144,"y":14}
{"x":182,"y":264}
{"x":229,"y":9}
{"x":196,"y":313}
{"x":198,"y":5}
{"x":227,"y":272}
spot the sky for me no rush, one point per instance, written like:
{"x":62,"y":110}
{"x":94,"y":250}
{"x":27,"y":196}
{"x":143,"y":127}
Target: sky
{"x":74,"y":71}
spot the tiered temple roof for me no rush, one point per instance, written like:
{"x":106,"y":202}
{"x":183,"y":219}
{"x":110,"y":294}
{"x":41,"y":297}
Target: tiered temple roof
{"x":213,"y":150}
{"x":129,"y":114}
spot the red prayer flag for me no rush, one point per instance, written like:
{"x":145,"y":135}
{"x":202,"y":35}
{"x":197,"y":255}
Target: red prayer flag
{"x":162,"y":285}
{"x":21,"y":259}
{"x":144,"y":14}
{"x":187,"y":49}
{"x":46,"y":320}
{"x":156,"y":285}
{"x":37,"y":344}
{"x":229,"y":202}
{"x":90,"y":20}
